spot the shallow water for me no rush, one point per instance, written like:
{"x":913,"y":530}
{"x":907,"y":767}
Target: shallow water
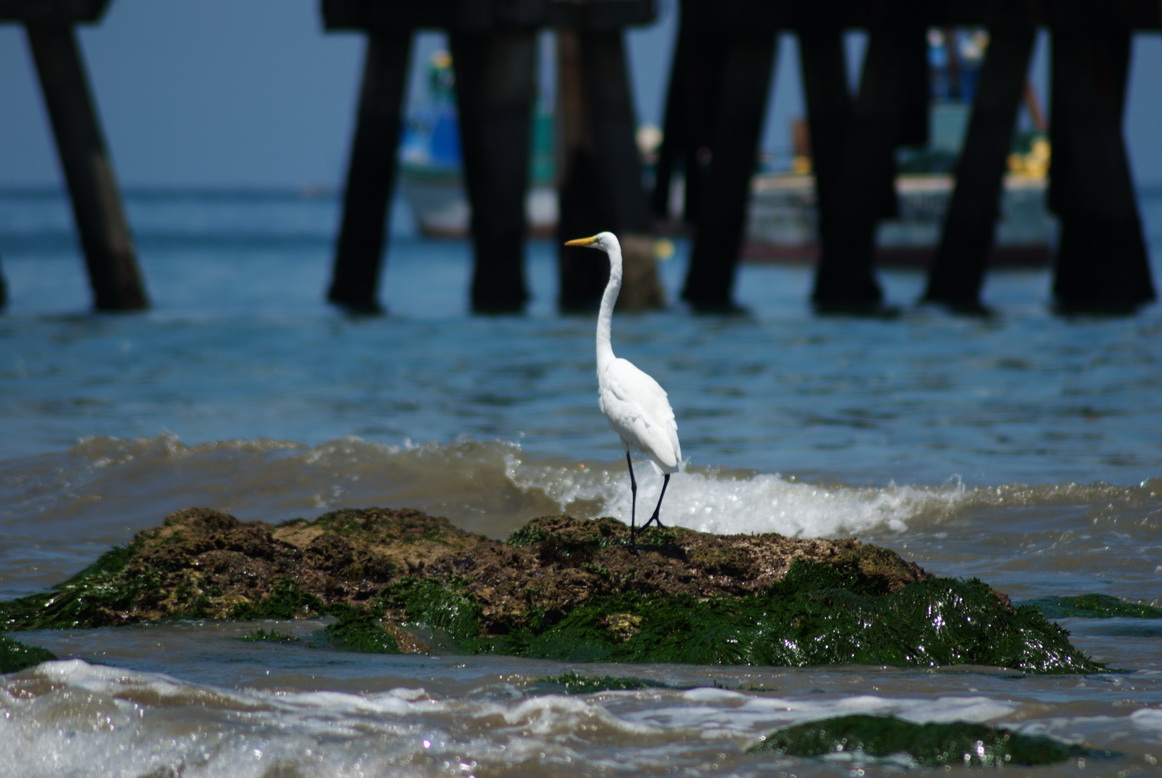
{"x":1023,"y":448}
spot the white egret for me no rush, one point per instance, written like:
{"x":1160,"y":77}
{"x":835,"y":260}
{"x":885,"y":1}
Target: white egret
{"x":633,"y":402}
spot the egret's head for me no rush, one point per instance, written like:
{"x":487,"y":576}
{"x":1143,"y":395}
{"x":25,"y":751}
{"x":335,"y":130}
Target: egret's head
{"x":602,"y":240}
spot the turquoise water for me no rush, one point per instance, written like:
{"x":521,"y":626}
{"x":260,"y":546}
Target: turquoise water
{"x":1022,"y":447}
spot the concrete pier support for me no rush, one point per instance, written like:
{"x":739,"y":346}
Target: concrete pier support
{"x":957,"y":273}
{"x":738,"y":105}
{"x":686,"y":124}
{"x":720,"y":80}
{"x":493,"y":45}
{"x":823,"y":63}
{"x":371,"y":172}
{"x":110,"y":256}
{"x":495,"y":89}
{"x":600,"y":185}
{"x":1101,"y":262}
{"x":860,"y":190}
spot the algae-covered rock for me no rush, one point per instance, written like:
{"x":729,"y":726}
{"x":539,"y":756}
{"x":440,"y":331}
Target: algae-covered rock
{"x":363,"y":630}
{"x":561,"y":588}
{"x":932,"y":745}
{"x":577,"y":559}
{"x":15,"y":656}
{"x":202,"y":563}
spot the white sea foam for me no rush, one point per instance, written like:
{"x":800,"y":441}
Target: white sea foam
{"x":134,"y":723}
{"x":63,"y":718}
{"x":726,"y":503}
{"x":1149,"y":719}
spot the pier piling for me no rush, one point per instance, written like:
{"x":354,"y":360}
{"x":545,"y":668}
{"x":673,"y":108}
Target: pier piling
{"x":823,"y":65}
{"x":371,"y":172}
{"x":720,"y":78}
{"x":600,"y":185}
{"x":1101,"y":257}
{"x":110,"y":256}
{"x":957,"y":272}
{"x":743,"y":71}
{"x":495,"y":90}
{"x":716,"y":102}
{"x":883,"y":116}
{"x":493,"y":45}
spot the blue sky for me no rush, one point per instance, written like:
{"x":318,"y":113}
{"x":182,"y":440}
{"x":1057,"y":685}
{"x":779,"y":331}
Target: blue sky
{"x":254,"y":93}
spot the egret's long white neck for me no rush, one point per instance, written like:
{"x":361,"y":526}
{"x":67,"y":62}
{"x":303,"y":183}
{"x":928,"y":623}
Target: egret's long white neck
{"x":605,"y":314}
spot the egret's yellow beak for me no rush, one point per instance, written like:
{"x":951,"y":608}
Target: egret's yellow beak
{"x":582,"y":241}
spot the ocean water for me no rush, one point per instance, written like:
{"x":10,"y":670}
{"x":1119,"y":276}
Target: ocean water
{"x":1023,"y":447}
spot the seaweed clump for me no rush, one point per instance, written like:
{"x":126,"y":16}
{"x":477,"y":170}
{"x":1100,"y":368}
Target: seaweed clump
{"x":931,"y":745}
{"x":15,"y":656}
{"x":815,"y":615}
{"x":1093,"y":606}
{"x":575,"y":683}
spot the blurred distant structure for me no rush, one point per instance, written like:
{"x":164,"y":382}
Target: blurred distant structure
{"x":719,"y":84}
{"x":716,"y":102}
{"x":719,"y":81}
{"x":493,"y":51}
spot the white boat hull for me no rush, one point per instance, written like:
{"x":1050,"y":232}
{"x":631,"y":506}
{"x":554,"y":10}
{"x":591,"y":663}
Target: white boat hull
{"x":782,"y":222}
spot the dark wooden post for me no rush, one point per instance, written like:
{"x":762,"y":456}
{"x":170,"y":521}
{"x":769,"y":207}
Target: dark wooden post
{"x":823,"y":63}
{"x":734,"y":48}
{"x":100,"y":217}
{"x":721,"y":208}
{"x":865,"y":179}
{"x":601,"y":185}
{"x":495,"y":89}
{"x":1102,"y":262}
{"x":686,"y":123}
{"x":957,"y":273}
{"x":371,"y":170}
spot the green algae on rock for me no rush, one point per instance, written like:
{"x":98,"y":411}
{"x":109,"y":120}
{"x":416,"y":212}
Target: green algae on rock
{"x":268,"y":636}
{"x":574,"y":683}
{"x":560,"y":588}
{"x":570,"y":590}
{"x":15,"y":656}
{"x":202,"y":563}
{"x":816,"y":615}
{"x":81,"y":601}
{"x":362,"y":630}
{"x":931,"y":745}
{"x":1093,"y":606}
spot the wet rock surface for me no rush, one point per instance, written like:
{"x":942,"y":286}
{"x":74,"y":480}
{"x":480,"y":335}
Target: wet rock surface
{"x":559,"y":587}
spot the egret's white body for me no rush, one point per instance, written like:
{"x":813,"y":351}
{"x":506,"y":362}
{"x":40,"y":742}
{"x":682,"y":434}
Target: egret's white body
{"x":633,"y":402}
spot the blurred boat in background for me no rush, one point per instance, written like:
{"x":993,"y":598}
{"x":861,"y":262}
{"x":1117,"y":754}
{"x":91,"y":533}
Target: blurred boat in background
{"x":782,"y":223}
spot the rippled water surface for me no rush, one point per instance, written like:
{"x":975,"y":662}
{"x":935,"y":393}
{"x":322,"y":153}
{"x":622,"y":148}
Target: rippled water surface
{"x":1022,"y":447}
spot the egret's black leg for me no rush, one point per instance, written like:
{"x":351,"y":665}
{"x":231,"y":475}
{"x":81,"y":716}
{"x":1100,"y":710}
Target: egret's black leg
{"x":633,"y":495}
{"x":658,"y":509}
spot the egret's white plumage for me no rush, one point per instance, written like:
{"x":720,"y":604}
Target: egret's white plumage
{"x":633,"y":402}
